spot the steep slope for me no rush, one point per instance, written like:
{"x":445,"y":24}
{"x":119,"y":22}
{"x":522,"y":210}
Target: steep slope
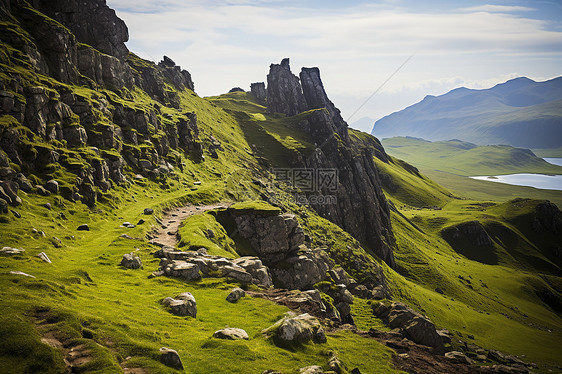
{"x":519,"y":112}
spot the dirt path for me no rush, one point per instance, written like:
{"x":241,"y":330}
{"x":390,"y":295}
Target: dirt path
{"x":167,"y":234}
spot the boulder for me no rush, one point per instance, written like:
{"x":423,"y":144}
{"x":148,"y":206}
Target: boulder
{"x":237,"y":273}
{"x":412,"y":324}
{"x":182,"y":269}
{"x":9,"y":192}
{"x":52,"y":186}
{"x":3,"y":206}
{"x":458,"y":357}
{"x":296,"y":329}
{"x":43,"y":256}
{"x":170,"y":358}
{"x":182,"y":305}
{"x":313,"y":369}
{"x":83,"y":227}
{"x":253,"y":265}
{"x":131,"y":261}
{"x":23,"y":183}
{"x":302,"y":271}
{"x":231,"y":333}
{"x":148,"y":211}
{"x":9,"y":251}
{"x":235,"y":295}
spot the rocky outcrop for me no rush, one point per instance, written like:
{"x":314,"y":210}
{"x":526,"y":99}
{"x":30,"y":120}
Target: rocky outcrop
{"x":351,"y":196}
{"x":472,"y":232}
{"x":284,"y":92}
{"x":547,"y":218}
{"x":316,"y":98}
{"x":180,"y":78}
{"x":258,"y":90}
{"x":193,"y":265}
{"x":92,"y":22}
{"x":412,"y":324}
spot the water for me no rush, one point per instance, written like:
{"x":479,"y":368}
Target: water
{"x":554,"y":160}
{"x":541,"y":181}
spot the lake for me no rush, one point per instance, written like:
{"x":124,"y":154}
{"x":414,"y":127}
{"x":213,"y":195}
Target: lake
{"x":554,"y":160}
{"x":541,"y":181}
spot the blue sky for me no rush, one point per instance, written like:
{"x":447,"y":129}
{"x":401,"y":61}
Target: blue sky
{"x":356,"y":44}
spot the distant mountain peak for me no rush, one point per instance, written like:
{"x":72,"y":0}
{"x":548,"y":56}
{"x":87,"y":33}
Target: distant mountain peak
{"x":520,"y":112}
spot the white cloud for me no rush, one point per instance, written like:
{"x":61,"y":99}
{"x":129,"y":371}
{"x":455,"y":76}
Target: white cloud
{"x":497,"y":8}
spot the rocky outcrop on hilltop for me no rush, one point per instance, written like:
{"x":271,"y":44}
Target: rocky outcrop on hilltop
{"x":284,"y":92}
{"x":49,"y":124}
{"x":258,"y":90}
{"x":92,"y":22}
{"x":357,"y":202}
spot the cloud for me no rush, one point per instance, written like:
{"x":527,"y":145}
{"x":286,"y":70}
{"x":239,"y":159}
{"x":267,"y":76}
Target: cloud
{"x":231,"y":43}
{"x":497,"y":8}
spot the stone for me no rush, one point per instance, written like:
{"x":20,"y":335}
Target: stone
{"x":9,"y":251}
{"x":184,"y":270}
{"x":42,"y":190}
{"x":231,"y":333}
{"x":182,"y":305}
{"x":458,"y":357}
{"x":48,"y":206}
{"x":131,"y":261}
{"x":56,"y":242}
{"x":3,"y":206}
{"x":236,"y":273}
{"x":302,"y":271}
{"x":411,"y":324}
{"x":52,"y":186}
{"x":170,"y":358}
{"x":43,"y":256}
{"x":296,"y":329}
{"x":16,"y":213}
{"x":83,"y":227}
{"x":236,"y":89}
{"x":445,"y":335}
{"x":235,"y":295}
{"x":148,"y":211}
{"x":23,"y":183}
{"x":439,"y":290}
{"x":313,"y":369}
{"x":259,"y":272}
{"x":17,"y":272}
{"x":9,"y":192}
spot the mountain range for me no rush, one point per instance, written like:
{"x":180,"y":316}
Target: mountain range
{"x":519,"y":112}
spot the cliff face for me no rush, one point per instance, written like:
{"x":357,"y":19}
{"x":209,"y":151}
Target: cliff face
{"x":361,"y":208}
{"x":45,"y":113}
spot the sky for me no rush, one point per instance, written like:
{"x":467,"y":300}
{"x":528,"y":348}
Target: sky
{"x":394,"y":52}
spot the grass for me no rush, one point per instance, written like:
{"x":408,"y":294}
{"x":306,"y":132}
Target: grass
{"x":462,"y":158}
{"x":85,"y":289}
{"x":508,"y":305}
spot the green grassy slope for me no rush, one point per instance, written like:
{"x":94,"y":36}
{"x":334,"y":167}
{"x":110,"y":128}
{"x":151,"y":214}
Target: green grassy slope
{"x":449,"y":163}
{"x":502,"y":305}
{"x":462,"y":158}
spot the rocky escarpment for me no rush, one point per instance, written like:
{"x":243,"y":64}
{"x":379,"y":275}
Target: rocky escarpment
{"x":356,"y":200}
{"x":48,"y":118}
